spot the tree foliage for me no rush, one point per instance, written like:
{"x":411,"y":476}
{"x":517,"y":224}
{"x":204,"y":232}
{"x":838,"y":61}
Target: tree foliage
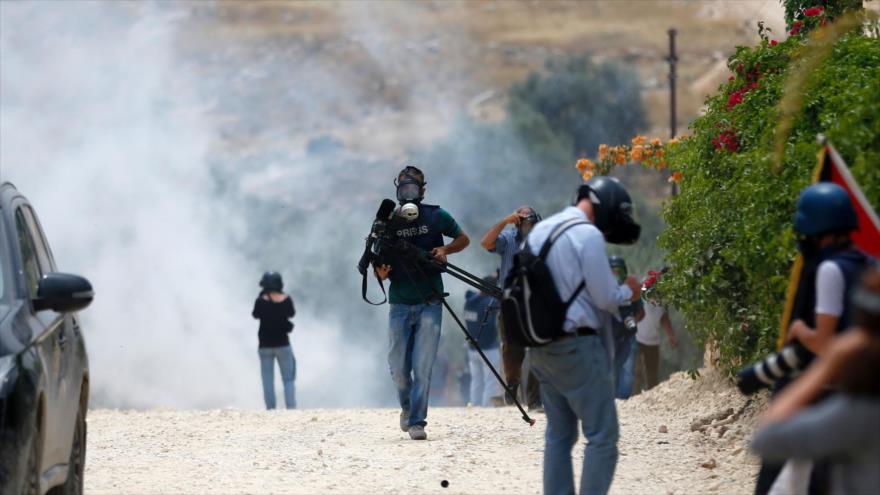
{"x":583,"y":103}
{"x":729,"y":234}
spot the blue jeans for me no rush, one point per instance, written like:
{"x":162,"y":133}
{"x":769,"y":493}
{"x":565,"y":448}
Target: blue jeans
{"x":287,"y":363}
{"x":413,"y":338}
{"x":576,"y":386}
{"x":624,"y":368}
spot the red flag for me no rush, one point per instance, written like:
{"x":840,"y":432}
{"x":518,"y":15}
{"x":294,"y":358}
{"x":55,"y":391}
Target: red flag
{"x":832,"y":168}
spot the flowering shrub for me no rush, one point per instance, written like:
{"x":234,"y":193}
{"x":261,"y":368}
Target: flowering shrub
{"x":728,"y":235}
{"x":649,"y":154}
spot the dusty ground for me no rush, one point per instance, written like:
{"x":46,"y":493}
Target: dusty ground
{"x":363,"y":451}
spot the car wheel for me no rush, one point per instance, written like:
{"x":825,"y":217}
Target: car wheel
{"x":76,"y":467}
{"x":32,"y":475}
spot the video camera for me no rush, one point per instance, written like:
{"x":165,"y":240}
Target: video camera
{"x":792,"y":359}
{"x":383,"y":245}
{"x":382,"y":238}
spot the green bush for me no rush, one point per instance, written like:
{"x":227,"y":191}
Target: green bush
{"x":728,"y":234}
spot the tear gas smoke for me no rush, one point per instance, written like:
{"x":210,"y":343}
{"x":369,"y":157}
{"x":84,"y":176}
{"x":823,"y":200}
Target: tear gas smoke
{"x":171,"y":167}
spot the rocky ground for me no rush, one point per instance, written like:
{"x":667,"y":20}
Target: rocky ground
{"x":684,"y":436}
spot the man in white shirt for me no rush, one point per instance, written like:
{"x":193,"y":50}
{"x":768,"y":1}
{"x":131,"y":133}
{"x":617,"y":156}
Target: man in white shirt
{"x":648,"y":338}
{"x":575,"y":370}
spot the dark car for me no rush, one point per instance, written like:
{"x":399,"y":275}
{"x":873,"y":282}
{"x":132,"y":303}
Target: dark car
{"x":44,"y":370}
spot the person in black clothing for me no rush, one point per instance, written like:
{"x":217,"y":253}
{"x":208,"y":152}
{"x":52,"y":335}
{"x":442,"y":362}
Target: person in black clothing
{"x":274,"y":309}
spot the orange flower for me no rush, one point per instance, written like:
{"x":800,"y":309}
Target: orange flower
{"x":638,"y":140}
{"x":675,"y":177}
{"x":619,"y":155}
{"x":637,"y":153}
{"x":659,"y":153}
{"x":674,"y":140}
{"x":584,"y":164}
{"x":655,"y":142}
{"x":603,"y":152}
{"x":661,"y":165}
{"x":587,"y":175}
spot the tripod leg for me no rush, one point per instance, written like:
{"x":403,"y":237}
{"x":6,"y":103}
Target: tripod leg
{"x":525,"y":415}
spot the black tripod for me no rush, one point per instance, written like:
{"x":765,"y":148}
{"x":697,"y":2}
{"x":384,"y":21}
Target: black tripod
{"x":421,"y":258}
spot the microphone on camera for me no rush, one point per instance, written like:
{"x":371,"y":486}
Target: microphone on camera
{"x":386,"y":210}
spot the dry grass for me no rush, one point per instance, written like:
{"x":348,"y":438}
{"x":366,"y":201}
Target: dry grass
{"x":507,"y":39}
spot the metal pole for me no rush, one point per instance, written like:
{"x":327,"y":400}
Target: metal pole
{"x":673,"y":59}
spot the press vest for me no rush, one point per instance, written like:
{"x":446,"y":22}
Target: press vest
{"x":424,"y":233}
{"x":851,"y":263}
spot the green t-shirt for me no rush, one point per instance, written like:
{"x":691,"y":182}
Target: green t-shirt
{"x":403,"y":291}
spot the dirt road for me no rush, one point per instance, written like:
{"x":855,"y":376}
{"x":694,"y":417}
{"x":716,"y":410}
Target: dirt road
{"x":362,"y":451}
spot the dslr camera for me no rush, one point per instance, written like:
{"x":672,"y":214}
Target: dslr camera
{"x":791,"y":360}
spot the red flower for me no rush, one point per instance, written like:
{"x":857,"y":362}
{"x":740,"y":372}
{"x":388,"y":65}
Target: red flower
{"x":651,"y":280}
{"x":754,"y":85}
{"x":736,"y":97}
{"x":773,"y":42}
{"x":731,"y":78}
{"x":726,"y":141}
{"x":796,"y":28}
{"x":813,"y":11}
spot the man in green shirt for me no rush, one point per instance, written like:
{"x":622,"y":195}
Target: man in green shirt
{"x":414,"y":297}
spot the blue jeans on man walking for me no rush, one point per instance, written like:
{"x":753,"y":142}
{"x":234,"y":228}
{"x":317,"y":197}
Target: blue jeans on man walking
{"x":287,"y":363}
{"x":576,"y":387}
{"x":413,"y":337}
{"x":624,"y":367}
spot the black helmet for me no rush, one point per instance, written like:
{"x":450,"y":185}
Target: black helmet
{"x":613,"y":209}
{"x":272,"y":281}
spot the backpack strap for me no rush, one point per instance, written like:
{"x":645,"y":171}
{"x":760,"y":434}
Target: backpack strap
{"x":555,"y":234}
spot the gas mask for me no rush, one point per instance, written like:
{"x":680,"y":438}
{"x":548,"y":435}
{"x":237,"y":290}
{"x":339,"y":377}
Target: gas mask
{"x":408,"y":211}
{"x":409,"y":190}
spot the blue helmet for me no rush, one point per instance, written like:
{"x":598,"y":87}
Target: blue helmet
{"x":822,"y":208}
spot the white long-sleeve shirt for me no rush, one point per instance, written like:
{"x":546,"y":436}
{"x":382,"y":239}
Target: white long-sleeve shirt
{"x":579,"y":255}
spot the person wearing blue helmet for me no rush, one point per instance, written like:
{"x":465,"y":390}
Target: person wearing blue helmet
{"x":823,"y":222}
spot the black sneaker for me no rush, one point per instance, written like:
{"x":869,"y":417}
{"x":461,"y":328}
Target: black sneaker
{"x":536,"y":408}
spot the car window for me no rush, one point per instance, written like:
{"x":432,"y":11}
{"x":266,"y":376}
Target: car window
{"x":44,"y":254}
{"x":32,"y":274}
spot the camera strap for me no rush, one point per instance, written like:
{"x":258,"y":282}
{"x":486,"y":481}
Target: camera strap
{"x":364,"y":290}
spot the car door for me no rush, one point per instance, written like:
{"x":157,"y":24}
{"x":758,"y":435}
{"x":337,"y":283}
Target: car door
{"x":64,"y":329}
{"x":46,"y":335}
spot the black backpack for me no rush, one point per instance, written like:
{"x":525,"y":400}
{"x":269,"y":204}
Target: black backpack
{"x":531,"y":309}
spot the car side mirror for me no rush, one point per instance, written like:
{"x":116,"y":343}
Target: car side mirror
{"x":63,"y":292}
